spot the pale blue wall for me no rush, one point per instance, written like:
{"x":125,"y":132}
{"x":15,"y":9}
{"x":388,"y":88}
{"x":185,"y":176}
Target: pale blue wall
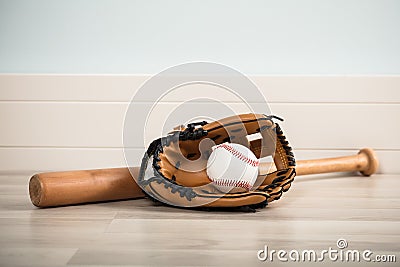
{"x":145,"y":36}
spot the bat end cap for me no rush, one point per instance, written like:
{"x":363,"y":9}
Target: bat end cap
{"x":35,"y":190}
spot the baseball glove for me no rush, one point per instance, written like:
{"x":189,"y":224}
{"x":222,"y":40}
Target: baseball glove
{"x":177,"y":173}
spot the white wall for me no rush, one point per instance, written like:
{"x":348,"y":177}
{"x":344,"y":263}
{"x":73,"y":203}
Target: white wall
{"x":146,"y":36}
{"x":61,"y":122}
{"x":53,"y":122}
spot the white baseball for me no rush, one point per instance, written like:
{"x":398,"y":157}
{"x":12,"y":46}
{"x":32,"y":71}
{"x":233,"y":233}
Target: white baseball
{"x":232,"y":166}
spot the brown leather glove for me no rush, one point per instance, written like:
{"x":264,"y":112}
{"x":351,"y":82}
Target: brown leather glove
{"x":177,"y":174}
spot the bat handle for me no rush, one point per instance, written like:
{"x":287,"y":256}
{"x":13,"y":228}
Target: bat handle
{"x":366,"y":162}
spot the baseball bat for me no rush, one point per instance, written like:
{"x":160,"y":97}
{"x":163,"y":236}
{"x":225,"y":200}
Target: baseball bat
{"x":87,"y":186}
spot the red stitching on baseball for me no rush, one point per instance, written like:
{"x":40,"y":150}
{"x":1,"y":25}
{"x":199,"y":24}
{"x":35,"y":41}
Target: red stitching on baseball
{"x":239,"y":155}
{"x":231,"y":183}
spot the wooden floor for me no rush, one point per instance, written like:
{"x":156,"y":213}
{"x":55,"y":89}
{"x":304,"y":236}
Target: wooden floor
{"x":314,"y":214}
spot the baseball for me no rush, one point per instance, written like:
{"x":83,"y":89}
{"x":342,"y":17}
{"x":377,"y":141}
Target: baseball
{"x":232,"y":167}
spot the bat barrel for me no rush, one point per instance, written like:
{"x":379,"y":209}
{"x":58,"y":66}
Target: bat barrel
{"x":365,"y":162}
{"x":76,"y":187}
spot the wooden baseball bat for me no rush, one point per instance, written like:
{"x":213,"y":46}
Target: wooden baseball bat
{"x":77,"y":187}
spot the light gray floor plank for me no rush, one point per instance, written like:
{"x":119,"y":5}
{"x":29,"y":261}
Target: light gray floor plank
{"x":314,"y":214}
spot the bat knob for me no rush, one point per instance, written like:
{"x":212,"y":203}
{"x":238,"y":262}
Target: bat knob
{"x":372,"y":162}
